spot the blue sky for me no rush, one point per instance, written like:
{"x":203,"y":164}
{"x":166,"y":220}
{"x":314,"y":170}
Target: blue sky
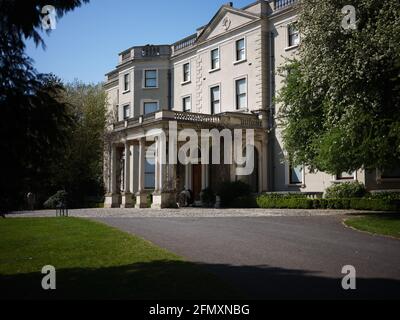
{"x":86,"y":42}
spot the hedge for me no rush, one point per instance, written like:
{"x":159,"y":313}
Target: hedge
{"x":266,"y":201}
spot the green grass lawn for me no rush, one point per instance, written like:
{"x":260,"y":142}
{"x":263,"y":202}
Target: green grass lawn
{"x":95,"y":261}
{"x":388,"y":225}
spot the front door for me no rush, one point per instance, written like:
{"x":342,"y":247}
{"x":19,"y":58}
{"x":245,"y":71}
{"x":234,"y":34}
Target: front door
{"x":196,"y":181}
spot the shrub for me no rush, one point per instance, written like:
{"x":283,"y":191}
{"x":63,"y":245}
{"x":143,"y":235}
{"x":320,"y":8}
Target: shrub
{"x":385,"y":195}
{"x":229,"y":191}
{"x":60,"y":197}
{"x":267,"y":201}
{"x":272,"y":201}
{"x":207,"y":197}
{"x":244,"y":202}
{"x":346,"y":190}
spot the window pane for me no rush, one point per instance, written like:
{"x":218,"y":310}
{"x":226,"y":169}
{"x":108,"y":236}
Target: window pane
{"x":149,"y":170}
{"x":241,"y":86}
{"x":126,"y":82}
{"x":240,"y":44}
{"x":149,"y":181}
{"x":345,"y":176}
{"x":294,"y":38}
{"x":240,"y":50}
{"x":215,"y":59}
{"x":186,"y":72}
{"x":151,"y":83}
{"x":215,"y":93}
{"x":217,"y":108}
{"x":187,"y":104}
{"x":150,"y":107}
{"x":296,"y":174}
{"x":150,"y":78}
{"x":391,"y":173}
{"x":241,"y":101}
{"x":151,"y":74}
{"x":126,"y":112}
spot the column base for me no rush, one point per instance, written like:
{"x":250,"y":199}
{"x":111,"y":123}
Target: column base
{"x":126,"y":200}
{"x":164,"y":200}
{"x":141,"y":200}
{"x":112,"y":201}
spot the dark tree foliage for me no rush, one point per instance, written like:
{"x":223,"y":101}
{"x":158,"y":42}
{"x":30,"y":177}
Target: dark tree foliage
{"x":33,"y":121}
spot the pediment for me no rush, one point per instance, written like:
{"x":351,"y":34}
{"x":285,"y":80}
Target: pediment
{"x":226,"y":19}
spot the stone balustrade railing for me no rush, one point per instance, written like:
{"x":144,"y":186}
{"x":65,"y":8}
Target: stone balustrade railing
{"x":228,"y":119}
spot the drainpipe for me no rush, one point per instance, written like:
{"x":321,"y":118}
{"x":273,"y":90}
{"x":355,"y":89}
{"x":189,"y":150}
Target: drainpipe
{"x":271,"y":121}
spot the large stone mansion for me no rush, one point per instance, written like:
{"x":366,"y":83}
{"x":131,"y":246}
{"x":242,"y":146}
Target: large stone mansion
{"x":222,"y":76}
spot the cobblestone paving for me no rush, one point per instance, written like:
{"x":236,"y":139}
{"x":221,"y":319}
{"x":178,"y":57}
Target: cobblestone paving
{"x":184,"y":212}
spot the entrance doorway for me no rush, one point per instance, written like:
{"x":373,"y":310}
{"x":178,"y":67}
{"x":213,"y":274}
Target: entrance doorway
{"x":196,"y":181}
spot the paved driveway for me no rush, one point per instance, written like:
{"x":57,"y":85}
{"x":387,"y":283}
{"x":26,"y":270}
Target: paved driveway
{"x":278,"y":256}
{"x":267,"y":253}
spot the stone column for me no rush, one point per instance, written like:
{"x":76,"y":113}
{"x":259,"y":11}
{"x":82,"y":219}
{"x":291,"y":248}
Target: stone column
{"x":127,"y":195}
{"x":112,"y":198}
{"x":164,"y":196}
{"x":141,"y":196}
{"x":157,"y":161}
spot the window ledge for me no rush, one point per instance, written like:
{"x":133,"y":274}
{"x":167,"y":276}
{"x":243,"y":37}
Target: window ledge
{"x":389,"y":179}
{"x":343,"y":180}
{"x":127,"y":91}
{"x":301,"y":185}
{"x":186,"y":82}
{"x":149,"y":88}
{"x":292,"y":47}
{"x":214,"y":70}
{"x":239,"y":61}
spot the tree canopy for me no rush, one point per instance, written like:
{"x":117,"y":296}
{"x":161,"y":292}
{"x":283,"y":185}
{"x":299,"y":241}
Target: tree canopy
{"x":34,"y":122}
{"x":340,"y":103}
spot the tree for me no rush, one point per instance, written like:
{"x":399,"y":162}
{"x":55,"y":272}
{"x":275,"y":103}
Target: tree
{"x":80,"y":168}
{"x":33,"y":121}
{"x":340,"y":103}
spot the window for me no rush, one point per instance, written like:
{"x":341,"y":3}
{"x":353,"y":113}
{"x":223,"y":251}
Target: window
{"x":150,"y":79}
{"x":187,"y":104}
{"x":149,"y":170}
{"x":345,"y":176}
{"x":240,"y":50}
{"x":296,"y":174}
{"x":241,"y":94}
{"x":215,"y":100}
{"x":150,"y":107}
{"x":186,"y":72}
{"x":127,"y":111}
{"x":215,"y":59}
{"x":391,"y":173}
{"x":293,"y":35}
{"x":126,"y":82}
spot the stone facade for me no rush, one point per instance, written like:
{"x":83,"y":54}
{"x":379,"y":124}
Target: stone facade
{"x":222,"y":76}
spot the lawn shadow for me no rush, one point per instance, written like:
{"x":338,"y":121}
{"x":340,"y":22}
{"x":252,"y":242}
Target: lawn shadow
{"x":168,"y":280}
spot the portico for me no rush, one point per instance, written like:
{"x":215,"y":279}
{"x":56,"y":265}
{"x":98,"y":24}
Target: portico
{"x":143,"y":164}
